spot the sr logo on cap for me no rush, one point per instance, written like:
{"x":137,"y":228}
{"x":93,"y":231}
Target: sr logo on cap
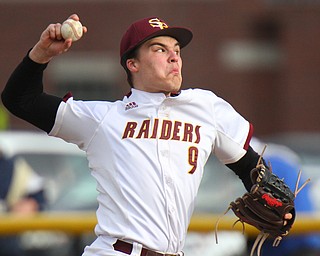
{"x":156,"y":23}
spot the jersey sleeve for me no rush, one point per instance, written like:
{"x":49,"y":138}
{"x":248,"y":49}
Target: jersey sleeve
{"x":76,"y":121}
{"x":233,"y":132}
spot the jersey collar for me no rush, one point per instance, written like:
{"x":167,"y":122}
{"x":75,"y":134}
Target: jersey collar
{"x":157,"y":98}
{"x":144,"y":97}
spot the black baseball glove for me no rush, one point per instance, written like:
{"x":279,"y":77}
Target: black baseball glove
{"x":266,"y":206}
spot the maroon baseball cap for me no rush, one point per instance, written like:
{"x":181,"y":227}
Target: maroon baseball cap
{"x":147,"y":28}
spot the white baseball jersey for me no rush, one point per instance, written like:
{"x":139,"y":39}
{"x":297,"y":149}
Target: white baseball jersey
{"x":147,"y":153}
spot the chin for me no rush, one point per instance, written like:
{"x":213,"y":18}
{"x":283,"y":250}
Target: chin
{"x":175,"y":86}
{"x":174,"y":89}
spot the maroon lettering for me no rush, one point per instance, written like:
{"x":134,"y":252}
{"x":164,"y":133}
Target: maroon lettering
{"x":176,"y":130}
{"x":129,"y":130}
{"x":144,"y":130}
{"x":197,"y":130}
{"x":188,"y":129}
{"x":166,"y":130}
{"x":155,"y":128}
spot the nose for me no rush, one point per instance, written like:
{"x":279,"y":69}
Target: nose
{"x":173,"y":57}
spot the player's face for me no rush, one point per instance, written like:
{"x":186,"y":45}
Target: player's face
{"x":157,"y":67}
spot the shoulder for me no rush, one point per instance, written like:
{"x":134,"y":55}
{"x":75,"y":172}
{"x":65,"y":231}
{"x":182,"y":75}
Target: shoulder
{"x":99,"y":106}
{"x":199,"y":93}
{"x":79,"y":110}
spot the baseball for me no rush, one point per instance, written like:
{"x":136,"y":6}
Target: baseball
{"x":71,"y":29}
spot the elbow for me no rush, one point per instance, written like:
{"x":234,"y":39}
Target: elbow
{"x":6,"y":100}
{"x":11,"y":102}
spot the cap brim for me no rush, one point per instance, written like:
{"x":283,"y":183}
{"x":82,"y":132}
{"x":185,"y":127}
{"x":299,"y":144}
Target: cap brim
{"x":182,"y":35}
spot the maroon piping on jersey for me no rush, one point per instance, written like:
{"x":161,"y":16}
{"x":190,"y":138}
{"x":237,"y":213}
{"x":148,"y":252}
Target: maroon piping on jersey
{"x":67,"y":96}
{"x":250,"y":134}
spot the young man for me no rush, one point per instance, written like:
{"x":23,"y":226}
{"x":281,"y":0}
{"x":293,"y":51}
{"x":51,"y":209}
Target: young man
{"x":147,"y":152}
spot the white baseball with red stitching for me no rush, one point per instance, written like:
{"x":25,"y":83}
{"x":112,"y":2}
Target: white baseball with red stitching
{"x":71,"y":29}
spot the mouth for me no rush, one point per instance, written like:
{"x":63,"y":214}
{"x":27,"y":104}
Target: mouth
{"x":175,"y":71}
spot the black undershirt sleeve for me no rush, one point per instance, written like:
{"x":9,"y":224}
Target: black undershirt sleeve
{"x":244,"y":166}
{"x":23,"y":95}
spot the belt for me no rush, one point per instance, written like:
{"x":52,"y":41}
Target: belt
{"x":125,"y":247}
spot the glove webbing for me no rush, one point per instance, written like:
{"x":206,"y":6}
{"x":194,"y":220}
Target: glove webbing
{"x":262,"y":236}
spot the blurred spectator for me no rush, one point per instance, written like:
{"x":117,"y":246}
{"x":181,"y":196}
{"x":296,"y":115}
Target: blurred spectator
{"x":21,"y":192}
{"x":285,"y":163}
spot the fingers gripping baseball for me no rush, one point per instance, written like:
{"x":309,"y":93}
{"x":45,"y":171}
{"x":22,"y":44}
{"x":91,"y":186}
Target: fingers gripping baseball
{"x":52,"y":43}
{"x":54,"y":32}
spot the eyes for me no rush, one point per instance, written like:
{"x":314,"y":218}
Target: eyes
{"x":162,"y":49}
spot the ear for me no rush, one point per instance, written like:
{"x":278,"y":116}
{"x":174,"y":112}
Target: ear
{"x":132,"y":65}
